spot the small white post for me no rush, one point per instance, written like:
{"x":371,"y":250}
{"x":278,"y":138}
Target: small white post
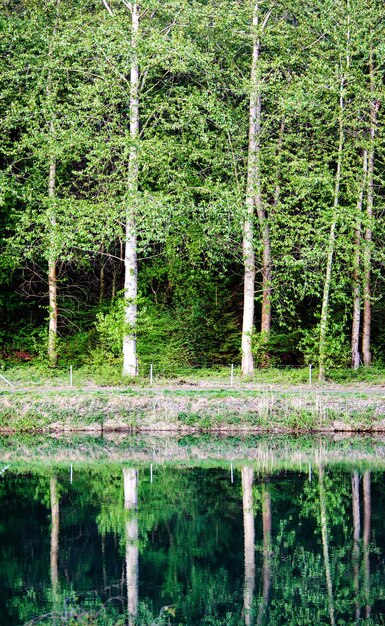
{"x":231,"y":473}
{"x":151,"y":374}
{"x":151,"y":473}
{"x":70,"y":375}
{"x":310,"y":472}
{"x":310,"y":366}
{"x":71,"y":475}
{"x":232,"y":374}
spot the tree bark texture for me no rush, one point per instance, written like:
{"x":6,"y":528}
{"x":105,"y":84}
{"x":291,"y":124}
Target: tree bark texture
{"x":356,"y":269}
{"x":52,"y":261}
{"x":130,"y":361}
{"x":254,"y":201}
{"x":367,"y":316}
{"x":52,"y":278}
{"x":253,"y":184}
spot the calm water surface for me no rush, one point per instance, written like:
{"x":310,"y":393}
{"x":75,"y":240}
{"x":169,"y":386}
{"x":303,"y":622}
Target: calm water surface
{"x":119,"y":543}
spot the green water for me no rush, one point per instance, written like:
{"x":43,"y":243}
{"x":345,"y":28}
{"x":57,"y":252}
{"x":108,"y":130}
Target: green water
{"x":141,"y":542}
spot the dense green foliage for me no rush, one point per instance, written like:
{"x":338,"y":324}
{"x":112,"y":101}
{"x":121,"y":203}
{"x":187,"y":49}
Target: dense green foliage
{"x":64,"y":89}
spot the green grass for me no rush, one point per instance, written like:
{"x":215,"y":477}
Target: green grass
{"x":33,"y":376}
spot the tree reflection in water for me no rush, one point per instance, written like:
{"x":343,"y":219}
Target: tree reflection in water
{"x":212,"y":552}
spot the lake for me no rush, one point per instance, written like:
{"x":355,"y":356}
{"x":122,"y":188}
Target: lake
{"x":184,"y":531}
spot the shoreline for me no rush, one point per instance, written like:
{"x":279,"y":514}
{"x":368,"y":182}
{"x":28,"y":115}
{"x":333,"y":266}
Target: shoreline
{"x":194,"y":410}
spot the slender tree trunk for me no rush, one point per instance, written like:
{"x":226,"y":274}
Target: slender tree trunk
{"x":366,"y":537}
{"x":54,"y":554}
{"x":249,"y":536}
{"x":266,"y":525}
{"x":356,"y":541}
{"x":367,"y":317}
{"x":254,"y":200}
{"x":252,"y":190}
{"x":113,"y":284}
{"x":52,"y":261}
{"x":325,"y":544}
{"x":52,"y":278}
{"x":332,"y":234}
{"x":356,"y":269}
{"x":102,"y":283}
{"x":130,"y":362}
{"x":130,"y":482}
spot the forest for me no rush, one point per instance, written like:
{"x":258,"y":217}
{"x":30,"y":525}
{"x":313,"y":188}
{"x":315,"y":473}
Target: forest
{"x":192,"y":183}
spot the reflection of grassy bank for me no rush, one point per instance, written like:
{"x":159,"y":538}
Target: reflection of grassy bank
{"x":266,"y":453}
{"x":191,"y":410}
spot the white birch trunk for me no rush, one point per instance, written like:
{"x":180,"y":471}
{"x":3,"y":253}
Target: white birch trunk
{"x":254,"y":201}
{"x":356,"y":269}
{"x":130,"y":362}
{"x":130,"y":482}
{"x":252,"y":190}
{"x":249,"y":545}
{"x":367,"y":317}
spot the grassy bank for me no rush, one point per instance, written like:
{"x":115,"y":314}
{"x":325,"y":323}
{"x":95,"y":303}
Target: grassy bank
{"x":189,"y":409}
{"x":32,"y":376}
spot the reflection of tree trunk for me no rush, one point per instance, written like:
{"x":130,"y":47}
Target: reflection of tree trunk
{"x":367,"y":524}
{"x":104,"y":560}
{"x":266,"y":524}
{"x":130,"y":479}
{"x":356,"y":540}
{"x":54,"y":537}
{"x":325,"y":544}
{"x":249,"y":535}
